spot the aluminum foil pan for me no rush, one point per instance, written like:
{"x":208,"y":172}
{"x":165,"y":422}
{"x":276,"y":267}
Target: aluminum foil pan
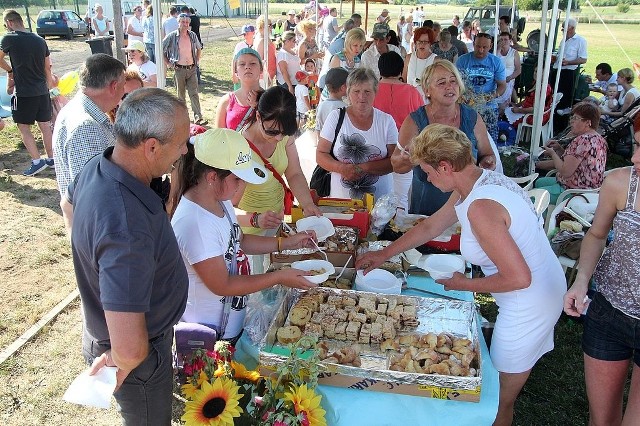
{"x":458,"y":318}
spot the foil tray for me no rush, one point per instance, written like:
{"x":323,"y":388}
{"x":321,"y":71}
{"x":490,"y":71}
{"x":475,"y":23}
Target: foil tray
{"x":456,"y":317}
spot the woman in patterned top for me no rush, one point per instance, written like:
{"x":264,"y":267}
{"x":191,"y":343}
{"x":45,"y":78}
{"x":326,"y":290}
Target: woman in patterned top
{"x":609,"y":342}
{"x":581,"y":163}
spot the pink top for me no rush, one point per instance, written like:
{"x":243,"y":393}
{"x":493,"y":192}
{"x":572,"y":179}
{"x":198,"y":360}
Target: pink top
{"x":235,"y":112}
{"x":399,"y":100}
{"x":591,"y":150}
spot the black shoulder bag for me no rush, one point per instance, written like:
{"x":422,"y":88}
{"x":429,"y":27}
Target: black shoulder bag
{"x":321,"y":179}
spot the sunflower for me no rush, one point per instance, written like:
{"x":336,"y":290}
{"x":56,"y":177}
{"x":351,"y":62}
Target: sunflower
{"x":189,"y":390}
{"x":240,"y":372}
{"x":306,"y":400}
{"x":214,"y":404}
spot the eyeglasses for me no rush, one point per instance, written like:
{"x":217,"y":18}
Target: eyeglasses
{"x":124,"y":96}
{"x":271,"y":132}
{"x":423,"y":42}
{"x":575,"y":117}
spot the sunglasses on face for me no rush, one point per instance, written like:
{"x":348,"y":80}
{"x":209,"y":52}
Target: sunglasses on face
{"x":271,"y":132}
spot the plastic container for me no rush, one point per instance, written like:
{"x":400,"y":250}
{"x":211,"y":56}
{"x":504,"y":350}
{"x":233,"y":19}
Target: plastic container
{"x":442,"y":266}
{"x":378,"y":281}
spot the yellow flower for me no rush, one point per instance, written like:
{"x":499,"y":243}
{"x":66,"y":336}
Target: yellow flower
{"x":189,"y":390}
{"x":240,"y":372}
{"x":214,"y":404}
{"x":306,"y":400}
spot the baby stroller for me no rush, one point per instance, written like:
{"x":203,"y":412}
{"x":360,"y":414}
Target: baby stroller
{"x":619,"y":133}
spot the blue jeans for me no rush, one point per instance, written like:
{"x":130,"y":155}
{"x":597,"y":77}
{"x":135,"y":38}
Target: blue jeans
{"x":145,"y":396}
{"x":151,"y":51}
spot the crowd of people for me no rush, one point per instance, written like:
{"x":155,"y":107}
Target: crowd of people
{"x":411,"y":111}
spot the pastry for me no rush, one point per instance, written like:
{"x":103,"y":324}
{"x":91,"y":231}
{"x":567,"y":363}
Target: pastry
{"x":289,"y":334}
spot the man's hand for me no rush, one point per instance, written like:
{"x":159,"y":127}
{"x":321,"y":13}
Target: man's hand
{"x":105,"y":360}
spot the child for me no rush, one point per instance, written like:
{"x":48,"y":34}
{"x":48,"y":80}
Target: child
{"x":336,"y":84}
{"x":314,"y":92}
{"x":609,"y":103}
{"x":303,"y":104}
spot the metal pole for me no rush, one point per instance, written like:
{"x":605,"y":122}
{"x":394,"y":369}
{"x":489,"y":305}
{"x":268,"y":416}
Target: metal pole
{"x":266,"y":39}
{"x":161,"y":68}
{"x":497,"y":27}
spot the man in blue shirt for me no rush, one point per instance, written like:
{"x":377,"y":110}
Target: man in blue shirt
{"x":484,"y":78}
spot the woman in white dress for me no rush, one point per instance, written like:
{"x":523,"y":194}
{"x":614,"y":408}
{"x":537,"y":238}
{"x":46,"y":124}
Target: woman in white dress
{"x":288,"y":62}
{"x":511,"y":60}
{"x":503,"y":235}
{"x":416,"y":62}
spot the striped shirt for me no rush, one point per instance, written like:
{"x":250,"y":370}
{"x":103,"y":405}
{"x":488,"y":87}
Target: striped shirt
{"x":81,"y":132}
{"x":171,"y":47}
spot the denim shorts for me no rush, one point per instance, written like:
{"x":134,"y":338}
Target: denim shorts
{"x":609,"y":334}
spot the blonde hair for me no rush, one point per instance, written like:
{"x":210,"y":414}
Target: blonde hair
{"x":439,"y":142}
{"x":354,"y":35}
{"x":260,"y":23}
{"x":306,"y":26}
{"x":627,"y":74}
{"x":448,"y":66}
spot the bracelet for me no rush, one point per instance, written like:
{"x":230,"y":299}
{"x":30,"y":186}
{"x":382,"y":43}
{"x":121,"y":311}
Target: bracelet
{"x":279,"y":244}
{"x":254,"y":220}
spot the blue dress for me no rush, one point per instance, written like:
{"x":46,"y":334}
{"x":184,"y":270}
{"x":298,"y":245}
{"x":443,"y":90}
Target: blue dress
{"x":424,"y":197}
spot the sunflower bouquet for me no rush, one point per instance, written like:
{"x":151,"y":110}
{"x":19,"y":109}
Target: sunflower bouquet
{"x":221,"y":391}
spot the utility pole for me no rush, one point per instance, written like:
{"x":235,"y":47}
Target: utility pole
{"x":118,"y":30}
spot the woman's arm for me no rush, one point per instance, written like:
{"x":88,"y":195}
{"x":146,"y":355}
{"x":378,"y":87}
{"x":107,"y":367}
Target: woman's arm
{"x":490,"y":224}
{"x":335,"y":62}
{"x":258,"y":244}
{"x":379,"y":167}
{"x":486,"y":157}
{"x":215,"y":276}
{"x":285,"y":75}
{"x":302,"y":50}
{"x":221,"y":112}
{"x":405,"y":69}
{"x":566,"y":165}
{"x":517,"y":68}
{"x":611,"y":199}
{"x":132,"y":31}
{"x":326,"y":161}
{"x":298,"y":182}
{"x":425,"y":231}
{"x":400,"y":160}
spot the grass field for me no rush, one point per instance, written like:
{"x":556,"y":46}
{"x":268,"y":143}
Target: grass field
{"x":36,"y":270}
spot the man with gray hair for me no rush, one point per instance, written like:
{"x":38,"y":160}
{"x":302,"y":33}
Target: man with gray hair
{"x":83,"y":129}
{"x":132,"y":281}
{"x":575,"y":54}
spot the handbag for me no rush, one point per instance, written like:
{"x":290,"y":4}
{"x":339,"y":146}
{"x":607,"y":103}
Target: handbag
{"x":288,"y":195}
{"x":567,"y":243}
{"x":321,"y":178}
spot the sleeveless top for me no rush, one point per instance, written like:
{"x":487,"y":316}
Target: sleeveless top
{"x":345,"y":65}
{"x":424,"y":197}
{"x":235,"y":112}
{"x":312,"y":48}
{"x":617,"y":275}
{"x":415,"y":69}
{"x":508,"y":61}
{"x":101,"y":23}
{"x":269,"y":195}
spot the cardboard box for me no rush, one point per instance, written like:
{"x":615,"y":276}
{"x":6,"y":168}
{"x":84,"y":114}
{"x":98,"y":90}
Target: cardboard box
{"x":336,"y":209}
{"x":423,"y":385}
{"x":337,"y":259}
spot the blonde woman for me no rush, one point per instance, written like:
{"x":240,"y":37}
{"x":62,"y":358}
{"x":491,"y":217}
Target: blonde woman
{"x":258,"y":43}
{"x":308,"y":47}
{"x":288,"y":62}
{"x":349,"y":57}
{"x":100,"y":23}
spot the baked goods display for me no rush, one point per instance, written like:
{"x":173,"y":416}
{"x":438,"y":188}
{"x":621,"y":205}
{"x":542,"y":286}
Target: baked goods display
{"x":363,"y":318}
{"x":394,"y":264}
{"x":346,"y":355}
{"x":345,"y":240}
{"x":341,"y":283}
{"x":432,"y":354}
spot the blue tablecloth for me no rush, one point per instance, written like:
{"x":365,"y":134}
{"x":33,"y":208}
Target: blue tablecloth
{"x":351,"y":407}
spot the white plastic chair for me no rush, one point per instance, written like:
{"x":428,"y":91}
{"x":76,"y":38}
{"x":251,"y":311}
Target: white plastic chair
{"x":547,"y":128}
{"x":526,"y":181}
{"x":564,"y":200}
{"x":5,"y":98}
{"x":541,"y":198}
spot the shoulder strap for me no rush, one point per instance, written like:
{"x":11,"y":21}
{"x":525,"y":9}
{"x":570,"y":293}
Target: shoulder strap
{"x":269,"y":166}
{"x":226,"y":301}
{"x":343,"y":112}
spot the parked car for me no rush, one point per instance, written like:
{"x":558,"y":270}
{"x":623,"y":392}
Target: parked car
{"x":65,"y":23}
{"x":487,"y":16}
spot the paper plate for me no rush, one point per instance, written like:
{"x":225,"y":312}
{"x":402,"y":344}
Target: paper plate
{"x":442,"y":266}
{"x":315,"y":264}
{"x":321,"y":225}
